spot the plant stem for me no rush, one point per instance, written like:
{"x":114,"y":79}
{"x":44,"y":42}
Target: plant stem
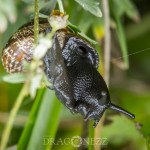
{"x":107,"y":41}
{"x":61,"y":8}
{"x":107,"y":48}
{"x":36,"y":21}
{"x":12,"y":116}
{"x":97,"y":133}
{"x":91,"y":135}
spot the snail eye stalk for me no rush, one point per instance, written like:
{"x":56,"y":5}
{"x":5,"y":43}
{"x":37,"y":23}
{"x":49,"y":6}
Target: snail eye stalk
{"x":119,"y":109}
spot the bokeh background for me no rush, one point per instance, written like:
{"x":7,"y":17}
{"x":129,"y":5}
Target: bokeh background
{"x":129,"y":88}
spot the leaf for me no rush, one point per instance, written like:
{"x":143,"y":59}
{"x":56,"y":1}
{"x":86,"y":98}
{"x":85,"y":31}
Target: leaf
{"x":87,"y":38}
{"x":28,"y":1}
{"x":148,"y":141}
{"x":46,"y":123}
{"x":4,"y":23}
{"x":14,"y":78}
{"x":9,"y":9}
{"x":48,"y":7}
{"x":22,"y":145}
{"x":119,"y":8}
{"x":140,"y":101}
{"x":122,"y":42}
{"x":78,"y":31}
{"x":122,"y":130}
{"x":91,"y":6}
{"x":42,"y":123}
{"x":73,"y":27}
{"x":45,"y":7}
{"x":131,"y":10}
{"x":85,"y":27}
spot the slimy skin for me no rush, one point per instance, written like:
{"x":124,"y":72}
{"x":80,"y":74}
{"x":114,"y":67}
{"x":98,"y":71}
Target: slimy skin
{"x":70,"y":65}
{"x":72,"y":69}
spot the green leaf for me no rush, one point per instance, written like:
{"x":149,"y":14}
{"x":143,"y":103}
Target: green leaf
{"x":75,"y":29}
{"x":23,"y":142}
{"x":9,"y":9}
{"x":14,"y":78}
{"x":131,"y":10}
{"x":87,"y":38}
{"x":46,"y":123}
{"x":148,"y":142}
{"x":28,"y":1}
{"x":85,"y":27}
{"x":122,"y":42}
{"x":43,"y":122}
{"x":140,"y":100}
{"x":121,"y":130}
{"x":121,"y":7}
{"x":3,"y":21}
{"x":91,"y":6}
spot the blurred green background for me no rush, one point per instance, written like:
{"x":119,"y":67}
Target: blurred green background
{"x":129,"y":88}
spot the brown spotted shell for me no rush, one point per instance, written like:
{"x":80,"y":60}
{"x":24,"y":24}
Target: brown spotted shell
{"x":20,"y":45}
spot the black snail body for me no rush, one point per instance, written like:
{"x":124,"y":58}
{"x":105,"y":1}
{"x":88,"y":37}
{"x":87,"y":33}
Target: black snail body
{"x":71,"y":66}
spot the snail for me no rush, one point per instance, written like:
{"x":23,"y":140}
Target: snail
{"x":20,"y":46}
{"x":70,"y":65}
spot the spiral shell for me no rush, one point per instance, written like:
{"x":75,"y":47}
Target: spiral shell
{"x":19,"y":46}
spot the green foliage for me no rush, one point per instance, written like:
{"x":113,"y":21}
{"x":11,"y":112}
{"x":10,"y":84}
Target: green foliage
{"x":91,"y":6}
{"x":131,"y":89}
{"x":7,"y":13}
{"x":118,"y":9}
{"x":43,"y":122}
{"x":14,"y":78}
{"x":121,"y":131}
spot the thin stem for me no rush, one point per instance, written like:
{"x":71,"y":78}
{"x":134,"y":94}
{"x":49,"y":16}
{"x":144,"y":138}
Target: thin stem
{"x":61,"y":8}
{"x":36,"y":21}
{"x":107,"y":47}
{"x":97,"y":133}
{"x":12,"y":116}
{"x":91,"y":135}
{"x":107,"y":41}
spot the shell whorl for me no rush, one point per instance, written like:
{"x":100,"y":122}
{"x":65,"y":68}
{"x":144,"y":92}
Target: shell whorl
{"x":20,"y":46}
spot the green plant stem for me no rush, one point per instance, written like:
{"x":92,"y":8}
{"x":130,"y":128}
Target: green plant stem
{"x":91,"y":135}
{"x":12,"y":116}
{"x":107,"y":48}
{"x":122,"y":41}
{"x":25,"y":136}
{"x":36,"y":21}
{"x":107,"y":41}
{"x":61,"y":8}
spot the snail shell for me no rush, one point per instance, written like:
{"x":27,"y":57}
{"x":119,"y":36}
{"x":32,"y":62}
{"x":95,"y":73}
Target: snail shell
{"x":20,"y":46}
